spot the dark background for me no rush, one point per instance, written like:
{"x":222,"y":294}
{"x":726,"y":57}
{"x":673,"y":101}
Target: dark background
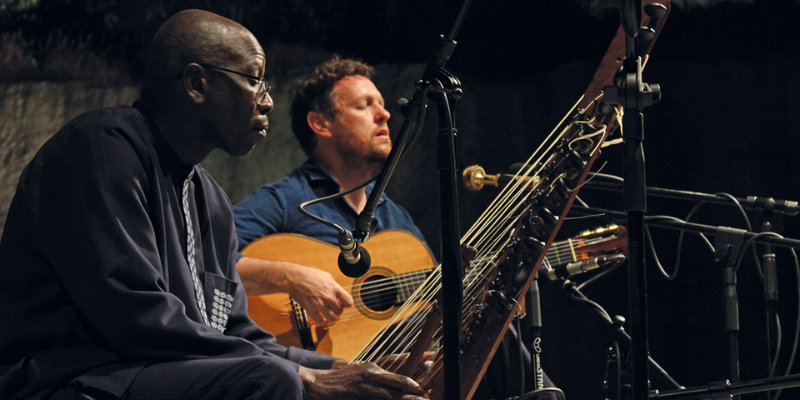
{"x":728,"y":74}
{"x":726,"y":123}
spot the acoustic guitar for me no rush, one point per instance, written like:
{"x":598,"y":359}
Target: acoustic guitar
{"x":400,"y":263}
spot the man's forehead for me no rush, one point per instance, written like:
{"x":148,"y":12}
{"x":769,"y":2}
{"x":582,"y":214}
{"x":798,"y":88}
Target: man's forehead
{"x":250,"y":49}
{"x":356,"y":86}
{"x":257,"y":51}
{"x":259,"y":58}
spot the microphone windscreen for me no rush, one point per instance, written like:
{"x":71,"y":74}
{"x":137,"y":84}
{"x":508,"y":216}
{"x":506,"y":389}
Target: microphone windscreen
{"x":358,"y":268}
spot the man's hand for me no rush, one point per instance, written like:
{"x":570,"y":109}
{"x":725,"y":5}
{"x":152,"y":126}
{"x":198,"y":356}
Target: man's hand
{"x":395,"y":362}
{"x":320,"y":295}
{"x":315,"y":290}
{"x":359,"y":381}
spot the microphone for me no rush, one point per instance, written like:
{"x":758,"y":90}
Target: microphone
{"x":475,"y":177}
{"x":564,"y":271}
{"x":353,"y":259}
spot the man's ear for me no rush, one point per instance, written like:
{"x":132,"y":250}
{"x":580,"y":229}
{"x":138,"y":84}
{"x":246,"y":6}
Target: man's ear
{"x":319,"y":123}
{"x":194,"y":83}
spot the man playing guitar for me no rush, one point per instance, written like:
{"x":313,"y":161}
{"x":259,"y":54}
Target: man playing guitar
{"x":338,"y":116}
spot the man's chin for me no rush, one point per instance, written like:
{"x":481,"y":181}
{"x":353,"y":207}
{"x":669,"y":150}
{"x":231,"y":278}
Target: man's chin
{"x":377,"y":158}
{"x":242,"y":151}
{"x":247,"y":147}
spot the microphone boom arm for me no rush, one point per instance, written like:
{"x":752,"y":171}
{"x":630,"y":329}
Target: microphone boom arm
{"x":435,"y":79}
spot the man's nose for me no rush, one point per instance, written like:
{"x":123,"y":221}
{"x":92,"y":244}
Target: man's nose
{"x":266,"y":104}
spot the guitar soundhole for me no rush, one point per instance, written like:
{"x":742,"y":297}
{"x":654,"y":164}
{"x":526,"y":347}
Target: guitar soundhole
{"x":378,"y":293}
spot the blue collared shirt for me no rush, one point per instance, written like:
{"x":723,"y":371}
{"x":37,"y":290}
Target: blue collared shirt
{"x":272,"y":208}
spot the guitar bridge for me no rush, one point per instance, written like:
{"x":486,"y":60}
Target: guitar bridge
{"x":303,"y":326}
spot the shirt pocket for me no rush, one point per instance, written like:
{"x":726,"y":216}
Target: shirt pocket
{"x":219,"y":293}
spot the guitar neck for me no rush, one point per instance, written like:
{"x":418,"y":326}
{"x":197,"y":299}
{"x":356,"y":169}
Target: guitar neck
{"x":562,"y":252}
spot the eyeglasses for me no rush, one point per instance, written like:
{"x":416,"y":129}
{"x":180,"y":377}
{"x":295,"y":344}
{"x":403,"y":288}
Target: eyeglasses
{"x":263,"y":86}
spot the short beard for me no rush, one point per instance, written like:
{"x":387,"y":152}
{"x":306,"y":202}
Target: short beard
{"x":371,"y":162}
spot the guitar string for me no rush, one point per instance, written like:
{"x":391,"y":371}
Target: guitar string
{"x":374,"y":289}
{"x":371,"y":350}
{"x":423,"y":295}
{"x":373,"y":292}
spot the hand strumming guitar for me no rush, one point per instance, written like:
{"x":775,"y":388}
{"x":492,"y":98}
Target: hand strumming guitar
{"x":314,"y":289}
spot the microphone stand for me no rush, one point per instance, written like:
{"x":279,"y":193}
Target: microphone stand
{"x":634,"y":95}
{"x":446,"y":89}
{"x":769,"y":215}
{"x":616,"y":325}
{"x":620,"y":218}
{"x":726,"y":390}
{"x":532,"y":333}
{"x":728,"y":247}
{"x":768,"y":206}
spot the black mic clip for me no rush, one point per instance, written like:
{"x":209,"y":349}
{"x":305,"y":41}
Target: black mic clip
{"x":578,"y":267}
{"x":354,"y":260}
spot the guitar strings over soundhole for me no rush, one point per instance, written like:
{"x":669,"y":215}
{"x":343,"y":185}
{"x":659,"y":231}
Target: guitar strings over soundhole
{"x":378,"y":293}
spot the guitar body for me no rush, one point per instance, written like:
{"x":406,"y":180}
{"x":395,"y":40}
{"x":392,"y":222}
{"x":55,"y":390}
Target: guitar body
{"x":395,"y":254}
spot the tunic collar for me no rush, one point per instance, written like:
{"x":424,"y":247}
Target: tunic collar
{"x":170,"y":160}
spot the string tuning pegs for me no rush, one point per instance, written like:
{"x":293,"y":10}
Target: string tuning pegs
{"x":563,"y":189}
{"x":576,"y":159}
{"x":533,"y":244}
{"x":655,"y":10}
{"x":548,"y":216}
{"x":646,"y":33}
